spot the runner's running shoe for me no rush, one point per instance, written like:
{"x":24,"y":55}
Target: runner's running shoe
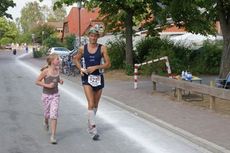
{"x":53,"y":140}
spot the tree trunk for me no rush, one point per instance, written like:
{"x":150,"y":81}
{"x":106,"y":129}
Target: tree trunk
{"x":129,"y":39}
{"x":225,"y":28}
{"x":225,"y":59}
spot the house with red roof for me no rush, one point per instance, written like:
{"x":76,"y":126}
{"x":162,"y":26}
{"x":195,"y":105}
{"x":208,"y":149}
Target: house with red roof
{"x":79,"y":20}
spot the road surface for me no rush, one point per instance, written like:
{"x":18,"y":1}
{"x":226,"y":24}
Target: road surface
{"x":121,"y":131}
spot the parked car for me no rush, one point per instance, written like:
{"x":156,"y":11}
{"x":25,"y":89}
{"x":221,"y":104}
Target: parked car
{"x":61,"y":51}
{"x":8,"y":46}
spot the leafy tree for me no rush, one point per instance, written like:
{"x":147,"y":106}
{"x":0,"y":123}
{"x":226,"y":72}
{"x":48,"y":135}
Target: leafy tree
{"x":31,"y":15}
{"x":24,"y":38}
{"x":53,"y":41}
{"x":8,"y":31}
{"x":42,"y":32}
{"x":54,"y":15}
{"x":57,"y":15}
{"x":5,"y":4}
{"x":197,"y":16}
{"x":118,"y":16}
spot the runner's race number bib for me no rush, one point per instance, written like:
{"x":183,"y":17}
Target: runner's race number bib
{"x":94,"y":80}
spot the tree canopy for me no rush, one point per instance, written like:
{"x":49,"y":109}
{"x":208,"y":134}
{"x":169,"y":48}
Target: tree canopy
{"x":200,"y":16}
{"x":8,"y":31}
{"x":196,"y":16}
{"x":4,"y":7}
{"x":31,"y":15}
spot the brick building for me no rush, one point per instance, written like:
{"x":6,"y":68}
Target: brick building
{"x":91,"y":18}
{"x":87,"y":19}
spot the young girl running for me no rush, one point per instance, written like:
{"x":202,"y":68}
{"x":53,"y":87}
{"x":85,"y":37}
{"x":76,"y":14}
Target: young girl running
{"x":49,"y":79}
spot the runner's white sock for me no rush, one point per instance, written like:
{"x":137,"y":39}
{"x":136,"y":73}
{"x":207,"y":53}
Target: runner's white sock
{"x":95,"y":110}
{"x":91,"y":117}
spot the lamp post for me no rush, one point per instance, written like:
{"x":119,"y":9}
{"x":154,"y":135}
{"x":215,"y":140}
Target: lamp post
{"x":43,"y":32}
{"x":79,"y":19}
{"x":33,"y":39}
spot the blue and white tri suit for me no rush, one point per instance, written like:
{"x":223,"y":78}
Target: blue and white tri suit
{"x":95,"y":79}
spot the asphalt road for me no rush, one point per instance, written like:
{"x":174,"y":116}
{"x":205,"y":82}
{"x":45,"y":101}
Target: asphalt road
{"x":21,"y":119}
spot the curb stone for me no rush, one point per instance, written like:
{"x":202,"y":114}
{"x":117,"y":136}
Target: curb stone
{"x":210,"y":146}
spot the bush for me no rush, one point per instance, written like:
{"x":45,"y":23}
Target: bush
{"x":153,"y":48}
{"x":116,"y":51}
{"x":207,"y":59}
{"x":6,"y":40}
{"x":39,"y":53}
{"x":180,"y":59}
{"x":53,"y":41}
{"x":144,"y":47}
{"x":70,"y":42}
{"x":129,"y":69}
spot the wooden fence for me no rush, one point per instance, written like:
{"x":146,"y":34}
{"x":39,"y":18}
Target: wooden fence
{"x":181,"y":85}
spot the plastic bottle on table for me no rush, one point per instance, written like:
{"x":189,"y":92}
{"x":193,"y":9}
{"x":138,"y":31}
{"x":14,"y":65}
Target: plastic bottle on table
{"x":182,"y":75}
{"x":186,"y":75}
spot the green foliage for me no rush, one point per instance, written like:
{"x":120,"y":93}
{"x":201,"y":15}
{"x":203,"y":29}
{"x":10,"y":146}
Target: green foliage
{"x":119,"y":16}
{"x":69,"y":42}
{"x":207,"y":59}
{"x":53,"y":41}
{"x":144,"y":47}
{"x":116,"y":51}
{"x":37,"y":53}
{"x":31,"y":14}
{"x":24,"y":38}
{"x":5,"y":4}
{"x":57,"y":14}
{"x":5,"y":41}
{"x":195,"y":19}
{"x":196,"y":16}
{"x":8,"y":31}
{"x":157,"y":48}
{"x":181,"y":59}
{"x":115,"y":12}
{"x":129,"y":69}
{"x":42,"y":32}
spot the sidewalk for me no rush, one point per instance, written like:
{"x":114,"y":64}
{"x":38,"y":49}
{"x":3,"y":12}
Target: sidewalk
{"x":198,"y":124}
{"x":198,"y":121}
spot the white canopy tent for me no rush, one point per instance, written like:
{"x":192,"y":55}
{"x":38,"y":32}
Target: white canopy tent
{"x":193,"y":41}
{"x":188,"y":40}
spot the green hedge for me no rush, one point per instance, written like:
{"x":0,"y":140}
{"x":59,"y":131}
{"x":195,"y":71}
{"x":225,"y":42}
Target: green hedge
{"x":39,"y":53}
{"x":205,"y":60}
{"x":116,"y":51}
